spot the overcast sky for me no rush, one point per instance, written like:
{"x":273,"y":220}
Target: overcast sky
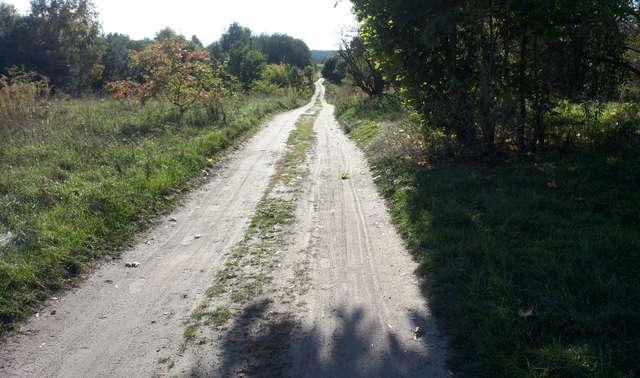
{"x":317,"y":22}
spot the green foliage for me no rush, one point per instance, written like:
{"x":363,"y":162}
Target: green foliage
{"x":281,"y":75}
{"x":235,"y":36}
{"x":176,"y":71}
{"x":62,"y":40}
{"x":195,"y":41}
{"x":91,"y":174}
{"x":281,"y":48}
{"x":166,"y":34}
{"x":309,"y":74}
{"x":319,"y":56}
{"x":361,"y":67}
{"x":334,"y":69}
{"x":276,"y":74}
{"x":246,"y":64}
{"x":8,"y":19}
{"x":491,"y":72}
{"x":243,"y":61}
{"x":555,"y":233}
{"x":250,"y":58}
{"x":116,"y":59}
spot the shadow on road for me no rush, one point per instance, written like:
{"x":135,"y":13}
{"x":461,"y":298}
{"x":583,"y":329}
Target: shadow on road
{"x":262,"y":343}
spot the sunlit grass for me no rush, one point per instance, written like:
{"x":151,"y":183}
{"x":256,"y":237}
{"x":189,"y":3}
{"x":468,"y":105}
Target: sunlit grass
{"x":79,"y":182}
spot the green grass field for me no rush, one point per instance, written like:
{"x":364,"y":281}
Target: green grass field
{"x":82,"y":178}
{"x":531,"y":262}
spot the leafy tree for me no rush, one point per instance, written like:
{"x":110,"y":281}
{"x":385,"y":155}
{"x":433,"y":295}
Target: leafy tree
{"x":246,"y":64}
{"x":196,"y":41}
{"x":491,"y":71}
{"x":281,"y":48}
{"x":361,"y":67}
{"x":276,"y":74}
{"x":295,"y":76}
{"x":334,"y":69}
{"x":309,"y":73}
{"x":166,"y":34}
{"x":235,"y":36}
{"x":174,"y":71}
{"x":216,"y":51}
{"x":284,"y":75}
{"x":242,"y":60}
{"x":8,"y":19}
{"x":61,"y":39}
{"x":116,"y":60}
{"x":245,"y":56}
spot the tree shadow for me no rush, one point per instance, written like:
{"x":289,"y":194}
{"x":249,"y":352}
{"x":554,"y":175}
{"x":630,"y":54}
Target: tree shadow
{"x":553,"y":234}
{"x":263,"y":343}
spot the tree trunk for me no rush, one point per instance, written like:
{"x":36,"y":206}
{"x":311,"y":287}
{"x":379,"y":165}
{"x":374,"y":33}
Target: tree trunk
{"x":487,"y":68}
{"x":181,"y":117}
{"x":540,"y":126}
{"x":522,"y":96}
{"x":464,"y":129}
{"x":487,"y":119}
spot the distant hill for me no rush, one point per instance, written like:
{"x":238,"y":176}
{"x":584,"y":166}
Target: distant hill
{"x":319,"y":55}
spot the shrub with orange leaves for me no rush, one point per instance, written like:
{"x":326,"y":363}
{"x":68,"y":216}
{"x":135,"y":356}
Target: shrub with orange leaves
{"x":175,"y":71}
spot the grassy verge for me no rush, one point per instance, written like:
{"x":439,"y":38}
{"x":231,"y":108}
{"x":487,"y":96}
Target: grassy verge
{"x":79,"y":182}
{"x":532,"y":263}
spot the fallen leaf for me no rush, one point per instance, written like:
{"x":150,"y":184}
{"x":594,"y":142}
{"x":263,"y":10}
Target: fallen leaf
{"x":525,"y":312}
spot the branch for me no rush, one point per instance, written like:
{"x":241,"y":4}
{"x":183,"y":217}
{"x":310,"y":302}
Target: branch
{"x":617,"y":63}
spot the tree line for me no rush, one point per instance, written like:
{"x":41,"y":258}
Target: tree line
{"x":63,"y":41}
{"x":491,"y":72}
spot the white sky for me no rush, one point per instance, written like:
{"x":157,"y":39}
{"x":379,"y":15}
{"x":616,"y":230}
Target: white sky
{"x":317,"y":22}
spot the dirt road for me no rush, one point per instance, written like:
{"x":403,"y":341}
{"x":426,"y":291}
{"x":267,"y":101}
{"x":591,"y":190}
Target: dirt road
{"x":342,"y":301}
{"x":364,"y":306}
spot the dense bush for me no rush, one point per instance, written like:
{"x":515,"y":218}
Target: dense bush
{"x":177,"y":72}
{"x":334,"y":69}
{"x":492,"y":72}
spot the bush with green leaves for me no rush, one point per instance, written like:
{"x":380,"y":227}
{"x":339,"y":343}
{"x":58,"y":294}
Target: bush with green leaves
{"x":334,"y":69}
{"x":491,"y":72}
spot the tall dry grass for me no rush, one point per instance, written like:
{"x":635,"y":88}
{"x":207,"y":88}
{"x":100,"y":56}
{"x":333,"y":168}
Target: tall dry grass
{"x":23,"y":100}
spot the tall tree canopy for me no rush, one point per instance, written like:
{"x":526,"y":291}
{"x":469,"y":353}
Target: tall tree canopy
{"x":281,"y":48}
{"x":8,"y":20}
{"x":247,"y":55}
{"x":491,"y":70}
{"x":62,"y":40}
